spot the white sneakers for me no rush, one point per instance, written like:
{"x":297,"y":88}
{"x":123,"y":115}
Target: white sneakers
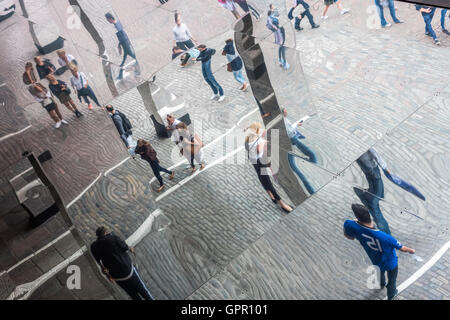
{"x":344,"y":11}
{"x":324,"y":17}
{"x":387,"y":25}
{"x":214,"y":96}
{"x":58,"y":124}
{"x":64,"y":122}
{"x":221,"y":98}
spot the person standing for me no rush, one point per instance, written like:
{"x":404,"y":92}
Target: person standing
{"x":123,"y":125}
{"x":273,"y":24}
{"x":111,"y":254}
{"x":205,"y":58}
{"x":81,"y":85}
{"x":59,"y":89}
{"x":306,"y":13}
{"x":369,"y":162}
{"x":190,"y":146}
{"x":44,"y":67}
{"x":28,"y":76}
{"x":379,"y":246}
{"x":384,"y":23}
{"x":182,"y":37}
{"x":328,"y":3}
{"x":443,"y":16}
{"x":124,"y":44}
{"x":235,"y":64}
{"x":295,"y":136}
{"x":45,"y":98}
{"x":145,"y":149}
{"x":64,"y":60}
{"x":256,"y":146}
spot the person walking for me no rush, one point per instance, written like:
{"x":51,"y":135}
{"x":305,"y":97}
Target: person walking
{"x":44,"y":67}
{"x":248,"y":8}
{"x":235,"y":64}
{"x":273,"y":24}
{"x":369,"y":162}
{"x":205,"y":58}
{"x":123,"y":126}
{"x":384,"y":23}
{"x":256,"y":146}
{"x":443,"y":16}
{"x":190,"y":146}
{"x":379,"y":246}
{"x":145,"y":149}
{"x":328,"y":3}
{"x":124,"y":44}
{"x":59,"y":89}
{"x":182,"y":37}
{"x":230,"y":5}
{"x":306,"y":13}
{"x":427,"y":15}
{"x":45,"y":98}
{"x":111,"y":254}
{"x":295,"y":136}
{"x":81,"y":85}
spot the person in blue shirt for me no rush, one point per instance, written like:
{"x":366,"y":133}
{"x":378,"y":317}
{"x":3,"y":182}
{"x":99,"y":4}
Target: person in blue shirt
{"x":124,"y":44}
{"x":379,"y":246}
{"x":443,"y":14}
{"x":205,"y":58}
{"x":428,"y":14}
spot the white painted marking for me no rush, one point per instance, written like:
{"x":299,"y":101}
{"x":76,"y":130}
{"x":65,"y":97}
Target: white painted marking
{"x":83,"y":192}
{"x":2,"y":85}
{"x":143,"y":229}
{"x":163,"y":112}
{"x":20,"y":174}
{"x":170,"y":83}
{"x":116,"y":166}
{"x":416,"y":275}
{"x":184,"y":181}
{"x":156,"y":91}
{"x":15,"y":133}
{"x":277,"y":119}
{"x":267,"y":98}
{"x":37,"y":252}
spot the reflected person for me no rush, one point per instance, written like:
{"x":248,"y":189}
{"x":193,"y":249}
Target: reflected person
{"x":384,"y":23}
{"x":123,"y":126}
{"x":306,"y":13}
{"x":182,"y":37}
{"x":443,"y":16}
{"x":124,"y":44}
{"x":369,"y":163}
{"x":205,"y":57}
{"x":427,"y":15}
{"x":273,"y":24}
{"x":295,"y":136}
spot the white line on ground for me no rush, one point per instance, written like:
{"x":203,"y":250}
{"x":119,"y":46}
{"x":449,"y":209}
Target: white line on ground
{"x":83,"y":192}
{"x":156,"y":91}
{"x":3,"y":84}
{"x":117,"y":165}
{"x":143,"y":229}
{"x":20,"y":174}
{"x":182,"y":182}
{"x":267,"y":98}
{"x":15,"y":133}
{"x":416,"y":275}
{"x":170,"y":83}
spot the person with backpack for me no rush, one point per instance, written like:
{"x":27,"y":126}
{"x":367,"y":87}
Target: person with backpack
{"x":273,"y":24}
{"x":81,"y":85}
{"x":29,"y":76}
{"x":59,"y":88}
{"x":145,"y":149}
{"x":235,"y":64}
{"x":44,"y":67}
{"x":205,"y":58}
{"x":123,"y":125}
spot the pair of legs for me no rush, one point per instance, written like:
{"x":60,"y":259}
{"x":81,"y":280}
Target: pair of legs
{"x":163,"y":1}
{"x":443,"y":16}
{"x":128,"y":51}
{"x":239,"y":76}
{"x":381,"y":12}
{"x":339,"y":5}
{"x":265,"y":181}
{"x":310,"y":19}
{"x":191,"y":156}
{"x":311,"y":158}
{"x":185,"y":45}
{"x":392,"y":282}
{"x":70,"y":104}
{"x":248,"y":8}
{"x":54,"y":112}
{"x":428,"y":27}
{"x":156,"y":171}
{"x":88,"y":92}
{"x":135,"y":287}
{"x":210,"y":80}
{"x":282,"y":56}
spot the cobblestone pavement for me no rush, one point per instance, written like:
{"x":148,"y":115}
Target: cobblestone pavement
{"x":219,"y":236}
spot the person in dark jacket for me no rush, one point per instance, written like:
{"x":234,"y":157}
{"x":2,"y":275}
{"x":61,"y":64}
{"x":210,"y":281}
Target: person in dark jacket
{"x":59,"y":88}
{"x":124,"y":44}
{"x":234,"y":63}
{"x":306,"y":13}
{"x":145,"y":149}
{"x":205,"y":58}
{"x":44,"y":67}
{"x":111,"y":253}
{"x":122,"y":124}
{"x":428,"y":14}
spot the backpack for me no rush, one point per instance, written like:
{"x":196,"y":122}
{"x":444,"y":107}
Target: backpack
{"x":126,"y":123}
{"x":25,"y":78}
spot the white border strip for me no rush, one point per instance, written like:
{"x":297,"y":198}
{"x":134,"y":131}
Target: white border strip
{"x":143,"y":229}
{"x":83,"y":192}
{"x":15,"y":133}
{"x":117,"y":165}
{"x":20,"y":174}
{"x":416,"y":275}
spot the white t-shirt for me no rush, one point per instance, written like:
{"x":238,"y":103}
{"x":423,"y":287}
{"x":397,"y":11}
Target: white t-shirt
{"x":181,"y":33}
{"x":62,"y":63}
{"x":80,"y":82}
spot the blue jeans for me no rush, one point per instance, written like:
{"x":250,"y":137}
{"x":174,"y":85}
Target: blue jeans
{"x":239,"y":76}
{"x":302,"y":177}
{"x":305,"y":149}
{"x":428,"y":28}
{"x":443,"y":14}
{"x":209,"y":78}
{"x":381,"y":13}
{"x":127,"y":51}
{"x":185,"y":45}
{"x":88,"y":92}
{"x":308,"y":15}
{"x":392,"y":284}
{"x":376,"y":188}
{"x":282,"y":55}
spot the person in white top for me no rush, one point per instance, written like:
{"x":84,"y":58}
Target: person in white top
{"x":256,"y":145}
{"x":64,"y":59}
{"x":182,"y":37}
{"x":45,"y":98}
{"x":231,"y":6}
{"x":190,"y":146}
{"x":80,"y":83}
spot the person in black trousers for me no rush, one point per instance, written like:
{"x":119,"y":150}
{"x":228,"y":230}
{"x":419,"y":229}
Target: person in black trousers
{"x":145,"y":149}
{"x":306,"y":13}
{"x":111,"y":253}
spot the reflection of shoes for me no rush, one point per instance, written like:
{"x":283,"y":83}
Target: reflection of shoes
{"x":244,"y":87}
{"x":90,"y":107}
{"x":298,"y":28}
{"x":58,"y":124}
{"x":436,"y":41}
{"x":265,"y":115}
{"x":202,"y":166}
{"x":387,"y":25}
{"x":78,"y":114}
{"x":193,"y":170}
{"x":315,"y":26}
{"x":324,"y":17}
{"x":344,"y":11}
{"x":172,"y":175}
{"x":286,"y":66}
{"x":64,"y":122}
{"x":287,"y":210}
{"x":399,"y":21}
{"x":428,"y":34}
{"x":214,"y":96}
{"x":394,"y":296}
{"x":160,"y":188}
{"x":446,"y":31}
{"x":221,"y":98}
